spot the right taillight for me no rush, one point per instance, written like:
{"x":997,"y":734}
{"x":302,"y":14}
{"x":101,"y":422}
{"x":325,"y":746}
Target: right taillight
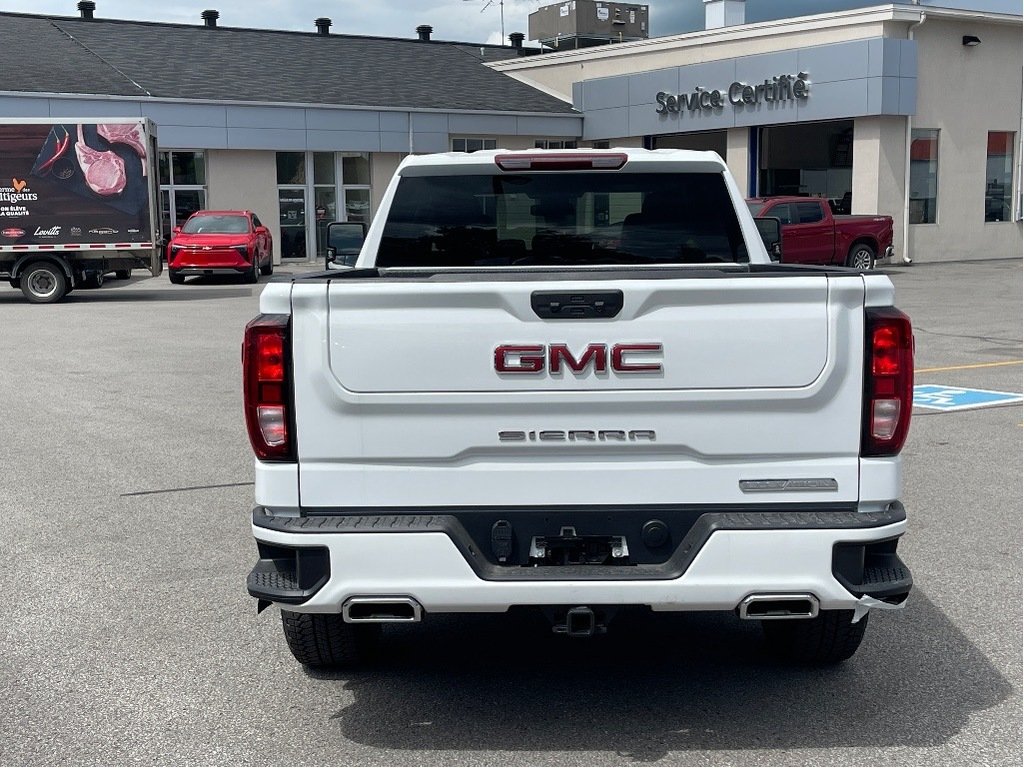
{"x":265,"y":374}
{"x":888,"y":382}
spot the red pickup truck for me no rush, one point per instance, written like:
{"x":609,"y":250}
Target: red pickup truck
{"x":812,"y":235}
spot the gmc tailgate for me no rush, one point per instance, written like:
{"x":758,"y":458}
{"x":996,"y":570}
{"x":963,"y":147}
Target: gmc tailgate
{"x":732,"y":386}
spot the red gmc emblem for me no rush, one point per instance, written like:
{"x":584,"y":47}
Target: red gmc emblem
{"x":536,"y":358}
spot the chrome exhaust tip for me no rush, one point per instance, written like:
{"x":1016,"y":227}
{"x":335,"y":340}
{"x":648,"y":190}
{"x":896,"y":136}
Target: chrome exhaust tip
{"x":380,"y":610}
{"x":779,"y":606}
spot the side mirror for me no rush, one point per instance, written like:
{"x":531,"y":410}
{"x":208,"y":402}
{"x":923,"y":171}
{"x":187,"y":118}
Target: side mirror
{"x":770,"y":229}
{"x":344,"y":241}
{"x":176,"y":231}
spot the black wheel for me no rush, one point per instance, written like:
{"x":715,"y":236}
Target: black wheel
{"x":174,"y":277}
{"x":123,"y":274}
{"x":269,"y":269}
{"x":253,"y":274}
{"x":325,"y":640}
{"x":93,"y":280}
{"x":862,"y":256}
{"x":43,"y":282}
{"x":828,"y":638}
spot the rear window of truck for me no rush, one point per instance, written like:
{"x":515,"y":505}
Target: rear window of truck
{"x":527,"y":219}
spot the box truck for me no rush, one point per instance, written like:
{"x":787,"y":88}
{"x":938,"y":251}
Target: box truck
{"x":78,"y":200}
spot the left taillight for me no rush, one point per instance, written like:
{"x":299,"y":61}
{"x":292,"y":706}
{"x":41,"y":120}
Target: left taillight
{"x":266,"y":369}
{"x":888,"y":382}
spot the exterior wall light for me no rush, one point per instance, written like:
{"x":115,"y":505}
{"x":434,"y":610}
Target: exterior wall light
{"x":970,"y":41}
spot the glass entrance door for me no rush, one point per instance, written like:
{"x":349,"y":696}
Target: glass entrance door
{"x":292,"y":205}
{"x":314,"y":189}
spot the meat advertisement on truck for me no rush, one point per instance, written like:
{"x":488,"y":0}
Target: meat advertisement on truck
{"x":79,"y":197}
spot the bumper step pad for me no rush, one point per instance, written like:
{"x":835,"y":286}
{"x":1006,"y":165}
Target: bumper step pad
{"x":872,"y":570}
{"x":288,"y":574}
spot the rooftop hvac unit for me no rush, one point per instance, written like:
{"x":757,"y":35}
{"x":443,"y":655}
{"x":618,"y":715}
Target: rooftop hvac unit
{"x":584,"y":23}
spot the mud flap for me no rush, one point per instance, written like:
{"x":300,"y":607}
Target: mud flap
{"x":866,"y":603}
{"x":156,"y":262}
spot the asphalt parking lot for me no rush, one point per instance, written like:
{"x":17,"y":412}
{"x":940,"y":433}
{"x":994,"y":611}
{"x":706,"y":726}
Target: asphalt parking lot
{"x":128,"y":637}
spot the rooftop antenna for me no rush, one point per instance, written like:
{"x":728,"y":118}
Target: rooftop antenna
{"x":501,"y":7}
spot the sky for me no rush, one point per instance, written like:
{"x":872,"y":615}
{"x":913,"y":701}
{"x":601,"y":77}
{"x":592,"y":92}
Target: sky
{"x":465,"y":20}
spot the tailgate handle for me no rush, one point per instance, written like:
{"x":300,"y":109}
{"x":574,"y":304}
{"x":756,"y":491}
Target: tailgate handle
{"x":576,"y":305}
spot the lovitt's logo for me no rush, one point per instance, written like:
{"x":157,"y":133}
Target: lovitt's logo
{"x":12,"y":232}
{"x":45,"y":233}
{"x":18,"y":192}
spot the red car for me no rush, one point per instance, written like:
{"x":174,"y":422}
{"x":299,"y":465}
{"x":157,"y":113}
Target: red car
{"x":218,"y":243}
{"x":812,"y":235}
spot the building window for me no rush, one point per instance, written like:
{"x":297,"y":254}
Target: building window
{"x":473,"y":145}
{"x":182,"y":187}
{"x":355,"y":179}
{"x":600,"y":145}
{"x":999,"y":176}
{"x":291,"y":168}
{"x":555,"y":144}
{"x":924,"y":176}
{"x":804,"y":159}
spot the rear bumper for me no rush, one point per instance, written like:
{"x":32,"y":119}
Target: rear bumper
{"x":315,"y":564}
{"x":211,"y":270}
{"x":227,"y":259}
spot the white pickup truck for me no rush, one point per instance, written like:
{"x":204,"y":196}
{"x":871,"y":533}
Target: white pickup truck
{"x":576,"y":381}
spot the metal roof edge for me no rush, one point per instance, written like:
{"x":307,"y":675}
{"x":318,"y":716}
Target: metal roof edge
{"x":705,"y":37}
{"x":874,"y":14}
{"x":285,"y":104}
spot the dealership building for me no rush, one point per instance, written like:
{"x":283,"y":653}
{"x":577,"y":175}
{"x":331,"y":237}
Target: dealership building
{"x":913,"y":111}
{"x":909,"y":110}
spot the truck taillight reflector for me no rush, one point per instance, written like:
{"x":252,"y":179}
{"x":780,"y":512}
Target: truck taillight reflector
{"x":888,"y":382}
{"x":273,"y":427}
{"x":265,"y":373}
{"x":562,"y":161}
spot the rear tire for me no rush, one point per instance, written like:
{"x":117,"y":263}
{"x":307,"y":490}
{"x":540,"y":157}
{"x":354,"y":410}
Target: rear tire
{"x":93,"y":280}
{"x":123,"y":274}
{"x":829,"y":638}
{"x":174,"y":277}
{"x":325,"y":640}
{"x":861,"y":256}
{"x":43,"y":282}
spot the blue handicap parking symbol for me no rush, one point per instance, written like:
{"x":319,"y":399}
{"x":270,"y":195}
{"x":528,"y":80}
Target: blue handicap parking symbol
{"x":944,"y":398}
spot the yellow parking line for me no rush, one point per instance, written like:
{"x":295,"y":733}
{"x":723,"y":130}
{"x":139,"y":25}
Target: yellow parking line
{"x":965,"y":367}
